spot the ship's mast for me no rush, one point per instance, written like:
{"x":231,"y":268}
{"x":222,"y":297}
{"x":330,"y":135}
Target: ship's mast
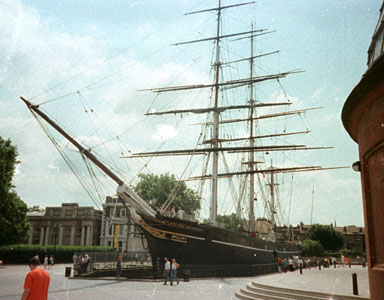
{"x":251,"y":154}
{"x":215,"y":141}
{"x":272,"y":185}
{"x":216,"y":114}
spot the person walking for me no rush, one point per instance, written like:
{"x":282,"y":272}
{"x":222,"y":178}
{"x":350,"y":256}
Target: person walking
{"x":36,"y":282}
{"x":45,"y":262}
{"x":51,"y":262}
{"x":167,"y":269}
{"x":175,"y":266}
{"x":290,"y":265}
{"x":118,"y":265}
{"x":309,"y":263}
{"x":301,"y":263}
{"x":284,"y":265}
{"x":364,"y":263}
{"x":279,"y":264}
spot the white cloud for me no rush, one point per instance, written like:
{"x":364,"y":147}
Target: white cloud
{"x":57,"y":169}
{"x":165,"y":132}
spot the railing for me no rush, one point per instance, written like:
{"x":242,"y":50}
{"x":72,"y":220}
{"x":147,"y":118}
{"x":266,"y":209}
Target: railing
{"x":97,"y":261}
{"x":176,"y":216}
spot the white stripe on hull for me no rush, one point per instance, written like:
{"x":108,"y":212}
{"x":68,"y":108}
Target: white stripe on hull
{"x":240,"y":246}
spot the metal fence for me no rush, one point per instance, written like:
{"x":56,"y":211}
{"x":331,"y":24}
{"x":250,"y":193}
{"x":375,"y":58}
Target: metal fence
{"x":91,"y":262}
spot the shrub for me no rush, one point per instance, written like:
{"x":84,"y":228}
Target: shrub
{"x":311,"y":248}
{"x":345,"y":252}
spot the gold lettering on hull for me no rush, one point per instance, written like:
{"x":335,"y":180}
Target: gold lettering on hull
{"x":163,"y":234}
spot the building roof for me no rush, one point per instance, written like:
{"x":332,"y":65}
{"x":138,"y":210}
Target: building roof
{"x":35,"y":213}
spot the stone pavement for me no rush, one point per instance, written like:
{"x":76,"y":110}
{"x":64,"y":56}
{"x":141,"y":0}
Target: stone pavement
{"x":327,"y":280}
{"x":331,"y":280}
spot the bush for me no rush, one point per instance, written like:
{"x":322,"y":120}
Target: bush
{"x":345,"y":252}
{"x":20,"y":253}
{"x":311,"y":248}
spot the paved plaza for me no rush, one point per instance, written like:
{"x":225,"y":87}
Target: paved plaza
{"x":337,"y":281}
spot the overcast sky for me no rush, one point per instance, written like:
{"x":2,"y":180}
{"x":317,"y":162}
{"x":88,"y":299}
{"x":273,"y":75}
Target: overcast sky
{"x":107,"y":50}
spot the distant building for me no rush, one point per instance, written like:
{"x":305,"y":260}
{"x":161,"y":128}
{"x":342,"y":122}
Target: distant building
{"x":353,"y":236}
{"x":116,"y":220}
{"x":69,"y":224}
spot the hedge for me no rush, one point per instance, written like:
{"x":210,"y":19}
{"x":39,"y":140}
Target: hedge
{"x":20,"y":253}
{"x":345,"y":252}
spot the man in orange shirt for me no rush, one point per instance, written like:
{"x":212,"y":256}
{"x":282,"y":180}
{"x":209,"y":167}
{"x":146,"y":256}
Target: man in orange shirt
{"x":36,"y":283}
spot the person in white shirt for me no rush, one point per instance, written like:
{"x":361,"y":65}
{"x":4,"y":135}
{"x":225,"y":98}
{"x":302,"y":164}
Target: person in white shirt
{"x":167,"y":269}
{"x":309,"y":263}
{"x":175,"y":266}
{"x":180,"y":213}
{"x":45,"y":261}
{"x":290,"y":265}
{"x":300,"y":261}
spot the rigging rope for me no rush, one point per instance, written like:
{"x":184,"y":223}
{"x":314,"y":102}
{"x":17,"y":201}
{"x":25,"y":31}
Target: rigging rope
{"x":170,"y":197}
{"x":66,"y":159}
{"x":313,"y":196}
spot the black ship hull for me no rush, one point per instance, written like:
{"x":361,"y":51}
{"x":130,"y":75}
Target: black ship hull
{"x":210,"y":251}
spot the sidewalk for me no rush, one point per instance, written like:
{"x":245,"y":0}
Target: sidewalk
{"x":329,"y":280}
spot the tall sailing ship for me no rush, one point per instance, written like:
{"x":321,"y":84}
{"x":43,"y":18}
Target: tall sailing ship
{"x":206,"y":246}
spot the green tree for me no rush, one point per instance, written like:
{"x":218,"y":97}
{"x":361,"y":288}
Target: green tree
{"x":158,"y":189}
{"x":312,"y":248}
{"x":327,"y":236}
{"x":13,"y":211}
{"x":231,"y":222}
{"x":35,"y":208}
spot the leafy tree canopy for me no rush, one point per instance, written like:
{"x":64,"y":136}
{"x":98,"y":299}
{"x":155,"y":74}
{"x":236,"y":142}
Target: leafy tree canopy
{"x":312,"y":248}
{"x":327,"y":236}
{"x":13,"y":211}
{"x":231,"y":222}
{"x":35,"y":208}
{"x":159,"y":188}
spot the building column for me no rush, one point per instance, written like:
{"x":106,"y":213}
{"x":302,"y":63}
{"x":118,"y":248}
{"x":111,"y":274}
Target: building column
{"x":42,"y":236}
{"x":30,"y":238}
{"x":46,"y":243}
{"x":91,"y":237}
{"x":82,"y":236}
{"x":88,"y":235}
{"x":61,"y":229}
{"x":73,"y":230}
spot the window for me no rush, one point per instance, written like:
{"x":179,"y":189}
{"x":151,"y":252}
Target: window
{"x":122,"y":212}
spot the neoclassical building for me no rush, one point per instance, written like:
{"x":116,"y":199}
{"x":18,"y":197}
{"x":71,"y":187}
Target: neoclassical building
{"x":116,"y":224}
{"x":69,"y":224}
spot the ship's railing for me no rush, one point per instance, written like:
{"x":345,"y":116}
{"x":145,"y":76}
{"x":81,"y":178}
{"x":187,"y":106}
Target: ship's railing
{"x":184,"y":216}
{"x":216,"y":224}
{"x":191,"y":218}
